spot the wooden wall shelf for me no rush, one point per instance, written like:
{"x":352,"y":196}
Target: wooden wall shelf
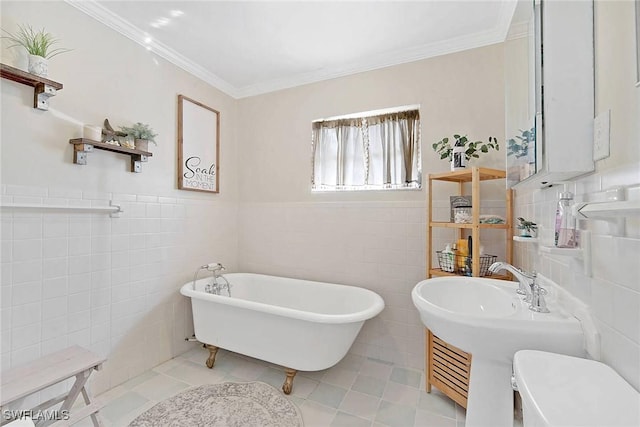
{"x":82,"y":146}
{"x":43,"y":88}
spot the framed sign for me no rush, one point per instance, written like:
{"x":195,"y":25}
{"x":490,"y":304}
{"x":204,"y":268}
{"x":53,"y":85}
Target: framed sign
{"x":198,"y":146}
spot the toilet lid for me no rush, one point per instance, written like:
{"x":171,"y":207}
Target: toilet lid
{"x":570,"y":391}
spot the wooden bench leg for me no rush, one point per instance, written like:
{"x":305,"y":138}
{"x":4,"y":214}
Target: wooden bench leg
{"x":95,"y":417}
{"x":78,"y":386}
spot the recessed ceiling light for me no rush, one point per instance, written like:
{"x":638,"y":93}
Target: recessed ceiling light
{"x":148,"y":47}
{"x":163,"y":21}
{"x":155,"y":25}
{"x":148,"y":40}
{"x":176,"y":13}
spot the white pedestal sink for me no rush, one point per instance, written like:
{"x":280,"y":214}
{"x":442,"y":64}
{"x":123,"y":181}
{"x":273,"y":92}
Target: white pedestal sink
{"x":485,"y":317}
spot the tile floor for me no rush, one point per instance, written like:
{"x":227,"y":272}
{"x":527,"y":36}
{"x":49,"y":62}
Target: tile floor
{"x":356,"y":392}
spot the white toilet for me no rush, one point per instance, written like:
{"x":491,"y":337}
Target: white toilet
{"x":559,"y":390}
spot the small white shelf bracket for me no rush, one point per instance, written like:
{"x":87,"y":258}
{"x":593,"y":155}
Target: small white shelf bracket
{"x":525,"y":239}
{"x":583,"y":252}
{"x":613,"y":209}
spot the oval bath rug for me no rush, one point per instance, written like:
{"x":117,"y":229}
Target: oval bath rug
{"x":223,"y":405}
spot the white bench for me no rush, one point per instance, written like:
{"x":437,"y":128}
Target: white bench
{"x":51,"y":369}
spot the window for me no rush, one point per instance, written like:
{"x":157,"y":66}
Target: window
{"x":368,"y":151}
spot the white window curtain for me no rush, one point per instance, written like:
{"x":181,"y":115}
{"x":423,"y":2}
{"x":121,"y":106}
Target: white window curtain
{"x":367,"y":153}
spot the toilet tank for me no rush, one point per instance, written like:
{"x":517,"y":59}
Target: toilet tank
{"x":560,"y":390}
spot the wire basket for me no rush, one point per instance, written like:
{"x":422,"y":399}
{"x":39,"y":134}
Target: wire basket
{"x":458,"y":264}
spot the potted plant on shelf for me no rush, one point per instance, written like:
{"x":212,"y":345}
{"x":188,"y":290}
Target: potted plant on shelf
{"x":39,"y":46}
{"x":142,"y":134}
{"x":460,"y":150}
{"x":527,"y":228}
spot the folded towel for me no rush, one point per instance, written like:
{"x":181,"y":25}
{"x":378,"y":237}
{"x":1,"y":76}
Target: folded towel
{"x":492,"y":219}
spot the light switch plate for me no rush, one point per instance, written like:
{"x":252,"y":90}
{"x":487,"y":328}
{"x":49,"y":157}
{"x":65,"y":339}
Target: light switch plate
{"x":601,"y":130}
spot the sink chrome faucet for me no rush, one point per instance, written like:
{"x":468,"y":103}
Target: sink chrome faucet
{"x":525,"y":279}
{"x":528,"y":286}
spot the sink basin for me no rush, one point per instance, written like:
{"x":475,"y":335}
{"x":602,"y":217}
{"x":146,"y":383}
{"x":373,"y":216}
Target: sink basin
{"x":487,"y":318}
{"x":463,"y":295}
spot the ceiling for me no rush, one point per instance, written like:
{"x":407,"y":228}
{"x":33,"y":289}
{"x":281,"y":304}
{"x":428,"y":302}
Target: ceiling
{"x":245,"y":48}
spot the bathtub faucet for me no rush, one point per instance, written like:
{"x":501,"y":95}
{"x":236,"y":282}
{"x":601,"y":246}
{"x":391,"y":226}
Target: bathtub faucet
{"x":219,"y":281}
{"x":215,"y":287}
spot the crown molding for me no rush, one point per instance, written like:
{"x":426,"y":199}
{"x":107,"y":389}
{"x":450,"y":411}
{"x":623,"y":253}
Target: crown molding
{"x":127,"y":29}
{"x":388,"y":59}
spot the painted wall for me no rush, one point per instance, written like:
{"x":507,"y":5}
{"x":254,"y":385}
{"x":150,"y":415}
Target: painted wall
{"x":613,"y":293}
{"x":107,"y":284}
{"x":376,"y":240}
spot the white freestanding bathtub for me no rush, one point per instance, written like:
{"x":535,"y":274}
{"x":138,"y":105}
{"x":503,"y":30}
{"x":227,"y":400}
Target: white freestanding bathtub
{"x":298,"y":324}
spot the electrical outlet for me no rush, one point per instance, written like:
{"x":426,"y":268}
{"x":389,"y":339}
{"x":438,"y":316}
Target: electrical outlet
{"x":601,"y":128}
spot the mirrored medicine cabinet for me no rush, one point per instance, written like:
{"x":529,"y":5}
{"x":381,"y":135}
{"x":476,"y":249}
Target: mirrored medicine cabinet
{"x":549,"y":92}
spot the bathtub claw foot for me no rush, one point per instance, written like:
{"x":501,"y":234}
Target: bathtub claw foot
{"x":213,"y":350}
{"x":288,"y":382}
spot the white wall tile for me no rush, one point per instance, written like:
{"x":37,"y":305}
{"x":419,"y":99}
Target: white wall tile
{"x":80,"y":264}
{"x":54,"y":327}
{"x":79,"y":283}
{"x":54,"y":308}
{"x":26,"y":314}
{"x":626,"y":316}
{"x":25,"y":336}
{"x":53,"y":248}
{"x":27,"y":228}
{"x":26,"y":250}
{"x":54,"y":227}
{"x":78,"y":321}
{"x":100,"y":244}
{"x":80,"y":227}
{"x":80,"y":302}
{"x":26,"y":292}
{"x":56,"y":287}
{"x":55,"y":267}
{"x":79,"y":246}
{"x":5,"y":296}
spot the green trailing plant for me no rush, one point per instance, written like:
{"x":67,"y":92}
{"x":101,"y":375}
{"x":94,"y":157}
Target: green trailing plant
{"x":36,"y":42}
{"x":444,"y":147}
{"x":140,"y":131}
{"x":528,"y":226}
{"x":520,"y":148}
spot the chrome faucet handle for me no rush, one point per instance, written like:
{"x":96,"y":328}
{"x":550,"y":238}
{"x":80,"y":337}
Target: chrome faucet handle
{"x":538,"y":303}
{"x":532,"y":286}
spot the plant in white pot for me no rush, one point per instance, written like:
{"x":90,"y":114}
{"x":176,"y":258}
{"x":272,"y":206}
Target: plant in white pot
{"x":142,"y":134}
{"x":527,"y":228}
{"x":38,"y":44}
{"x":460,"y":150}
